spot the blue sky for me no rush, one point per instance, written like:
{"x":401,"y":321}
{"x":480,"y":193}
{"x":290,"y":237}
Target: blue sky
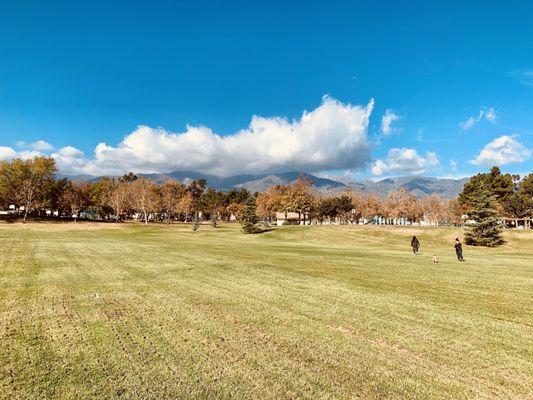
{"x":157,"y":86}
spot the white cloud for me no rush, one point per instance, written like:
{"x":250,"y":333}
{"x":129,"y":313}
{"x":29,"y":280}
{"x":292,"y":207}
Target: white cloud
{"x":453,"y":165}
{"x":404,"y":161}
{"x":7,"y":153}
{"x":490,"y":115}
{"x":70,"y":160}
{"x":502,"y":150}
{"x":27,"y":154}
{"x":69,"y":151}
{"x":387,"y":120}
{"x":39,"y":145}
{"x":524,"y":76}
{"x":420,"y":135}
{"x":333,"y":136}
{"x":487,"y":115}
{"x":469,"y":123}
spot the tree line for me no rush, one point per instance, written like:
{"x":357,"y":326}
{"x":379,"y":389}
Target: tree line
{"x":33,"y":187}
{"x":355,"y":207}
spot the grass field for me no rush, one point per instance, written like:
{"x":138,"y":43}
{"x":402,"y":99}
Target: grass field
{"x":129,"y":311}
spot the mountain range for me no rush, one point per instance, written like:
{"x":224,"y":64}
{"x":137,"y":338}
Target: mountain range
{"x":420,"y":185}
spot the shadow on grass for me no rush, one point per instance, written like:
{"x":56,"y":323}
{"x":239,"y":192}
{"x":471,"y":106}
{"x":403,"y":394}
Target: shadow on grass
{"x":54,"y":220}
{"x":258,"y":231}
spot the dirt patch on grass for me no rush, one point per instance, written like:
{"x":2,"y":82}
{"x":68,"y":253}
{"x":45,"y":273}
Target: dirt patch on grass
{"x":341,"y":329}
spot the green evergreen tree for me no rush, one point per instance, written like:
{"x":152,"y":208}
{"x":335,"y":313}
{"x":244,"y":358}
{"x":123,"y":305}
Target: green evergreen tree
{"x":249,"y":216}
{"x":501,"y":186}
{"x":486,"y":231}
{"x":195,"y":222}
{"x":526,"y":186}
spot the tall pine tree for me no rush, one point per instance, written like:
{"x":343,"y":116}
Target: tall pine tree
{"x":486,"y":231}
{"x":249,"y":216}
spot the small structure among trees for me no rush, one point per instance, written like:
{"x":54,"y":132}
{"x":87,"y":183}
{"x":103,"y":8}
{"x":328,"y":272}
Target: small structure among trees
{"x":288,"y":218}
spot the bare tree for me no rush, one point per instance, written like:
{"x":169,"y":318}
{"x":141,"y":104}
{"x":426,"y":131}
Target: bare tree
{"x":171,"y":194}
{"x":415,"y":209}
{"x":119,"y":198}
{"x":403,"y":204}
{"x":75,"y":198}
{"x":455,"y":211}
{"x":184,"y":205}
{"x":30,"y":180}
{"x":299,"y":198}
{"x":358,"y":205}
{"x":371,"y":206}
{"x":143,"y":197}
{"x":434,"y":209}
{"x":271,"y":201}
{"x":235,"y":209}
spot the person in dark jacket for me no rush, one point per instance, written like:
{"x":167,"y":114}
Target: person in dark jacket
{"x":459,"y":249}
{"x":415,"y":244}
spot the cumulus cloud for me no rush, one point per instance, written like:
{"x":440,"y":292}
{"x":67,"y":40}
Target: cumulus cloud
{"x":404,"y":161}
{"x":27,"y":154}
{"x":502,"y":150}
{"x":487,"y":115}
{"x":387,"y":120}
{"x":70,"y":160}
{"x":333,"y":136}
{"x":39,"y":145}
{"x":7,"y":153}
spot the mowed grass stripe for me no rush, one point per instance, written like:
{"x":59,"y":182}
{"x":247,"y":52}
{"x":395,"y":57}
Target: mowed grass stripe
{"x":130,"y":311}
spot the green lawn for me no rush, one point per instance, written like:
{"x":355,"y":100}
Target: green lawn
{"x":151,"y":312}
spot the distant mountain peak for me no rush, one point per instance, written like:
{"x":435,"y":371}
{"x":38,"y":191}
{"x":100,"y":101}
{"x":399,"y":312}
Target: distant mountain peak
{"x":420,"y":185}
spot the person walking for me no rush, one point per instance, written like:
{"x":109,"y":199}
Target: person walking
{"x":415,"y":244}
{"x":459,"y":249}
